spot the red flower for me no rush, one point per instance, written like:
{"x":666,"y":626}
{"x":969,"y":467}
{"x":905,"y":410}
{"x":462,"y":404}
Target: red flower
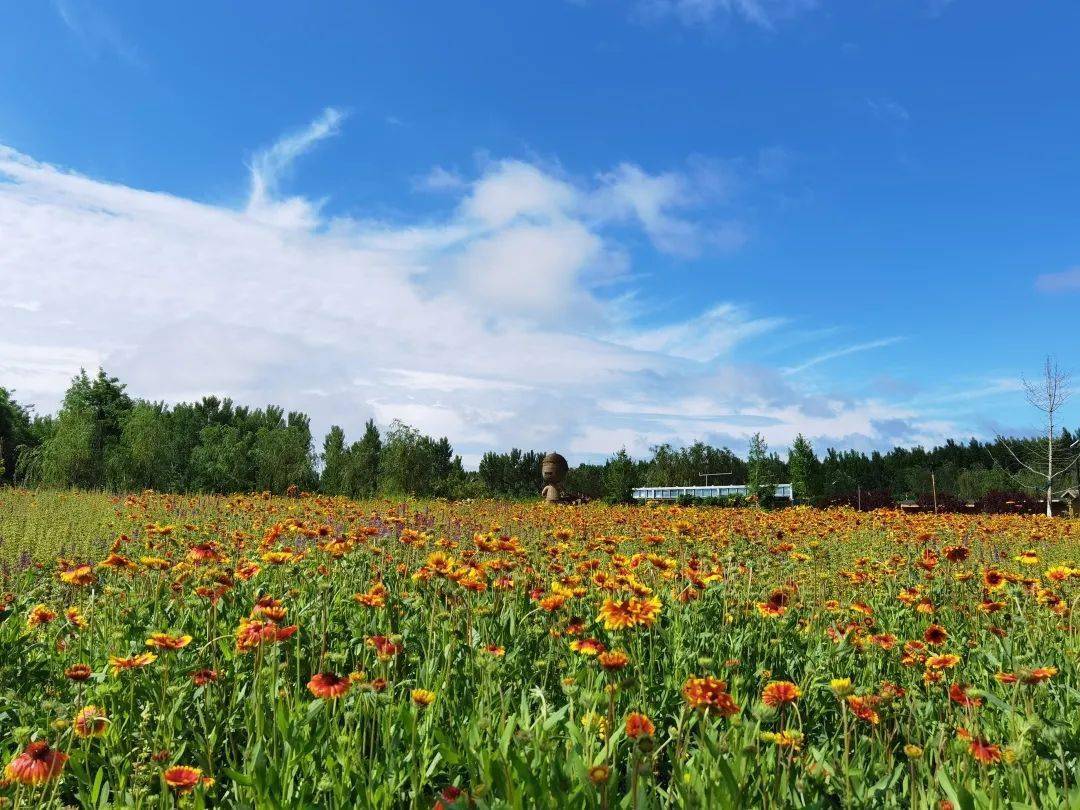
{"x":958,"y":694}
{"x":778,"y":693}
{"x":639,"y":725}
{"x":935,"y":634}
{"x":182,"y":778}
{"x":202,"y":677}
{"x":78,"y":672}
{"x":328,"y":686}
{"x":985,"y":753}
{"x":36,"y":765}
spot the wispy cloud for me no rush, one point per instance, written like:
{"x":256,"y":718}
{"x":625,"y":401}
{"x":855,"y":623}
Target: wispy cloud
{"x":888,"y":109}
{"x":844,"y":352}
{"x":96,"y":32}
{"x":1065,"y":281}
{"x":270,"y":165}
{"x":763,"y":13}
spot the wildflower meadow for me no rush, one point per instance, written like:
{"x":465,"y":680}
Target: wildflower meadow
{"x":258,"y":651}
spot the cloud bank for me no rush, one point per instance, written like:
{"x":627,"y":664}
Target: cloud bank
{"x":511,"y":320}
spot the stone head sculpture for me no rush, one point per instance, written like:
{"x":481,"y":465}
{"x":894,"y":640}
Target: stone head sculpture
{"x":553,"y":470}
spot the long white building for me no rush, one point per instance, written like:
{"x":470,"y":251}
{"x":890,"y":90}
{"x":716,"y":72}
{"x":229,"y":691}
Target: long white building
{"x":727,"y":491}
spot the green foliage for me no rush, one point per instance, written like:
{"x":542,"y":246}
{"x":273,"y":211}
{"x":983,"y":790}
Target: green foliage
{"x":620,"y":478}
{"x":760,"y":481}
{"x":15,"y":433}
{"x":414,"y":464}
{"x":511,"y":475}
{"x":804,"y":469}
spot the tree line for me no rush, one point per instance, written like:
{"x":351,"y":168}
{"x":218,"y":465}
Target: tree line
{"x":102,"y":438}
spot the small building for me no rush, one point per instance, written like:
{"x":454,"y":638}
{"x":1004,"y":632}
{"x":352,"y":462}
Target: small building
{"x":783,"y":492}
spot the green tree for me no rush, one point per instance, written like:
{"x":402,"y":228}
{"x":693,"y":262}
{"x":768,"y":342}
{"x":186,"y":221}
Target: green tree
{"x":805,"y":470}
{"x":620,"y":478}
{"x":365,"y":459}
{"x":335,"y":458}
{"x":759,"y":482}
{"x":143,"y":457}
{"x":15,"y":434}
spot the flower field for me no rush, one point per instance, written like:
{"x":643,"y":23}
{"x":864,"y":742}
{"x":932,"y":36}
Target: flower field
{"x":320,"y":652}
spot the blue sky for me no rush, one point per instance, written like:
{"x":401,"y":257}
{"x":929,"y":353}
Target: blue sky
{"x":571,"y":225}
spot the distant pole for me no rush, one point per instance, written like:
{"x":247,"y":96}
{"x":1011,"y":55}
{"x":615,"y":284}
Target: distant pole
{"x":933,"y":486}
{"x":859,"y":490}
{"x":706,"y":476}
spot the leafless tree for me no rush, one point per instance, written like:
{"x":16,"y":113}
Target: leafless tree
{"x":1047,"y":395}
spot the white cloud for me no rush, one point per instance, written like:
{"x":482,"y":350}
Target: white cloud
{"x":95,"y":31}
{"x":763,"y":13}
{"x":888,"y":109}
{"x":270,"y":165}
{"x":1064,"y":281}
{"x":497,"y":324}
{"x":842,"y":352}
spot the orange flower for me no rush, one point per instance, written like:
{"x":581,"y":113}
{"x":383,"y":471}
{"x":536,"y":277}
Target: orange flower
{"x":617,"y":615}
{"x":90,"y":722}
{"x":36,"y":765}
{"x":375,"y":596}
{"x":495,"y":650}
{"x":993,"y":579}
{"x":201,"y":677}
{"x":253,"y":632}
{"x":1033,"y":676}
{"x":183,"y":778}
{"x":614,"y":660}
{"x":710,"y":695}
{"x":935,"y":634}
{"x":79,"y":672}
{"x":422,"y":697}
{"x":134,"y":662}
{"x":117,"y":561}
{"x":639,"y":725}
{"x":40,"y":614}
{"x":863,"y":708}
{"x":163,"y":641}
{"x":958,"y":694}
{"x":587,"y":646}
{"x":946,"y":661}
{"x":328,"y":686}
{"x":385,"y":649}
{"x":957,"y":554}
{"x":780,"y":693}
{"x":984,"y":752}
{"x":80,"y":575}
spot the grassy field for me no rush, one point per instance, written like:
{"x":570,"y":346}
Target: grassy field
{"x":314,"y":652}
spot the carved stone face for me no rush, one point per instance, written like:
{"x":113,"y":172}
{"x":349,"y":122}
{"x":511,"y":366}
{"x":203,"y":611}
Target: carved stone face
{"x":553,"y":469}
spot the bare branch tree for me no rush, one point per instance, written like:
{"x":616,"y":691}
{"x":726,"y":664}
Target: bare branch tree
{"x":1048,"y":395}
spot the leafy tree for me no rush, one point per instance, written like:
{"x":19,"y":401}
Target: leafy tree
{"x":335,"y":458}
{"x":511,"y":475}
{"x":144,"y":455}
{"x":620,"y":478}
{"x":805,"y":470}
{"x":363,"y":470}
{"x":414,"y":464}
{"x":15,"y":434}
{"x":760,"y":483}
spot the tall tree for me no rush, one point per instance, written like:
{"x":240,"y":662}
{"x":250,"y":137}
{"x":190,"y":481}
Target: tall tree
{"x":362,"y":476}
{"x":15,"y":434}
{"x":805,"y":469}
{"x":335,"y":459}
{"x":620,"y":478}
{"x":1048,"y":395}
{"x":759,"y":482}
